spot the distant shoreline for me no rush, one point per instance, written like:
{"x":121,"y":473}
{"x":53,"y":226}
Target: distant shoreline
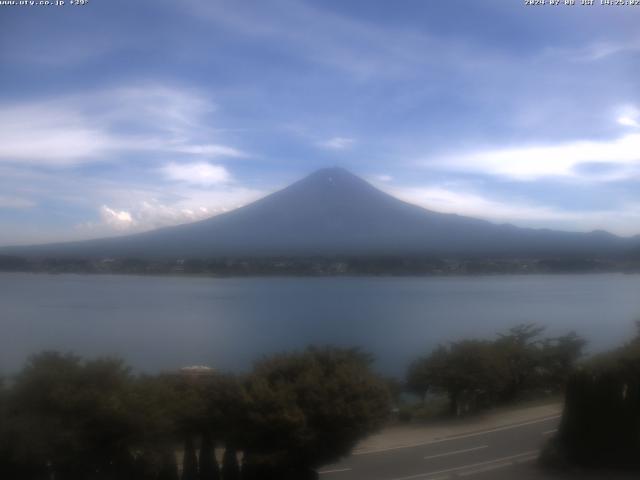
{"x":322,"y":267}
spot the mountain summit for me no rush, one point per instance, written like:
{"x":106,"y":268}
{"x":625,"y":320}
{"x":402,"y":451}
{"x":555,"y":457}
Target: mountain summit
{"x":332,"y":212}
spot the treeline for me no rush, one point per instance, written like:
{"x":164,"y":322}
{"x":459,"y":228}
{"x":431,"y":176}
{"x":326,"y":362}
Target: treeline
{"x":600,"y":425}
{"x":67,"y":418}
{"x":233,"y":266}
{"x":477,"y":374}
{"x":70,"y":419}
{"x":318,"y":266}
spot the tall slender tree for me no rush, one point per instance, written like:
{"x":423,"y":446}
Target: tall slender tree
{"x":209,"y":469}
{"x":190,"y":461}
{"x":230,"y":466}
{"x":169,"y":469}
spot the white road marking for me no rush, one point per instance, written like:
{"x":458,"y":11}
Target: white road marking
{"x":483,"y":469}
{"x":335,"y":470}
{"x":496,"y":462}
{"x":549,"y":432}
{"x":458,"y":437}
{"x":496,"y":466}
{"x":455,"y":452}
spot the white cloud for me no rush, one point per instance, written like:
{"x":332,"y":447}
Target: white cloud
{"x":628,"y":121}
{"x":144,"y":211}
{"x":212,"y":151}
{"x":623,"y":220}
{"x":383,"y":178}
{"x":629,"y":116}
{"x":99,"y":207}
{"x":199,"y":173}
{"x":90,"y":127}
{"x":116,"y":219}
{"x":595,"y":51}
{"x":153,"y":213}
{"x":601,"y":50}
{"x":48,"y":135}
{"x":561,"y":160}
{"x":146,"y":215}
{"x":446,"y":200}
{"x":337,"y":143}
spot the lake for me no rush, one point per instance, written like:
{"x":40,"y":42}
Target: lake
{"x":159,"y":323}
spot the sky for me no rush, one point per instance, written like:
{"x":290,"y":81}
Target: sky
{"x":122,"y":116}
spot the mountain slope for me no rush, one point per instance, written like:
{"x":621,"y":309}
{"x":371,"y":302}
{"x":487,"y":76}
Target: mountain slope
{"x":334,"y":212}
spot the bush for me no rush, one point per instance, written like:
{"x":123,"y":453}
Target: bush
{"x":601,"y":421}
{"x":307,"y":409}
{"x":477,"y":374}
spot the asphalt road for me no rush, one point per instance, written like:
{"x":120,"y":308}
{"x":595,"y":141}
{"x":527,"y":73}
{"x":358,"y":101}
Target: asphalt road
{"x":507,"y":452}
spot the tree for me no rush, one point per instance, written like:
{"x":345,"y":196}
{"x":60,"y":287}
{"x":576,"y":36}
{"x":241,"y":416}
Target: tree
{"x":418,"y":379}
{"x":395,"y":389}
{"x":482,"y":373}
{"x":558,"y":359}
{"x":169,"y":410}
{"x":230,"y":467}
{"x":168,"y":469}
{"x":208,"y":465}
{"x":426,"y":373}
{"x":6,"y":460}
{"x":470,"y":372}
{"x":310,"y":408}
{"x":473,"y":375}
{"x":190,"y":461}
{"x":224,"y":407}
{"x":600,"y":424}
{"x":72,"y":418}
{"x":520,"y":349}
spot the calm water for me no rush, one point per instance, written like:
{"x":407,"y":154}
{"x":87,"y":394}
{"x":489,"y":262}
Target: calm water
{"x":166,"y":322}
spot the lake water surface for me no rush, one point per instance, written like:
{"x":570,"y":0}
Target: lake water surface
{"x":158,"y":323}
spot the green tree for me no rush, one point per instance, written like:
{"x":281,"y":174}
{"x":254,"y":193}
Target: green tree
{"x":224,"y":407}
{"x":168,"y":469}
{"x":418,"y":380}
{"x":481,"y":373}
{"x":473,"y":376}
{"x":310,"y":408}
{"x":168,"y":410}
{"x":208,"y":465}
{"x":72,"y":418}
{"x":427,"y":373}
{"x":6,"y":460}
{"x":520,"y":351}
{"x":469,"y":372}
{"x":558,"y":359}
{"x":189,"y":461}
{"x":230,"y":467}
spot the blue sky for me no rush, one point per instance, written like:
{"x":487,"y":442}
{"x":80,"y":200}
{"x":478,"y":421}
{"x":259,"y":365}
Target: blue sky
{"x":121,"y":116}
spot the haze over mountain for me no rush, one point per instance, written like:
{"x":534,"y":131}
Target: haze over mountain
{"x":333,"y":212}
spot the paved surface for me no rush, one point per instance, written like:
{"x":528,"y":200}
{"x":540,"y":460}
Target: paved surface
{"x":499,"y":451}
{"x":412,"y":435}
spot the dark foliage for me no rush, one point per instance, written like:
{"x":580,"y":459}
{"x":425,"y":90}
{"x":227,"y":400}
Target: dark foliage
{"x":230,"y":466}
{"x":69,"y":419}
{"x":208,"y":465}
{"x":70,"y":416}
{"x":475,"y":374}
{"x":601,"y":420}
{"x":307,"y":409}
{"x":190,"y":461}
{"x":168,"y":469}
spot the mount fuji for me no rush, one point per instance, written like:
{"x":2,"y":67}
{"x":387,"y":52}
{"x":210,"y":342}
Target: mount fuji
{"x":333,"y":212}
